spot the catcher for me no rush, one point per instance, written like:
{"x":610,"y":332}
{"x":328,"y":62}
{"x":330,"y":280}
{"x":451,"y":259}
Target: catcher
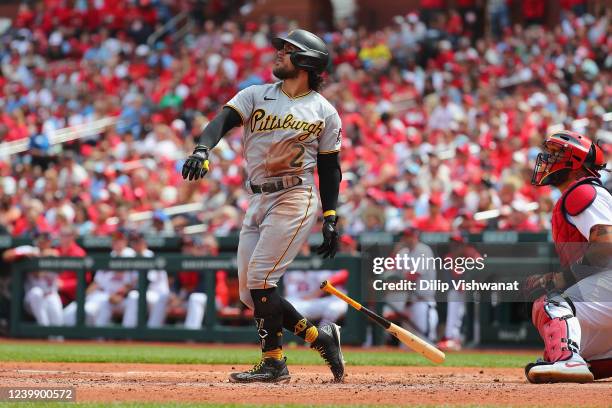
{"x":289,"y":129}
{"x":572,"y":309}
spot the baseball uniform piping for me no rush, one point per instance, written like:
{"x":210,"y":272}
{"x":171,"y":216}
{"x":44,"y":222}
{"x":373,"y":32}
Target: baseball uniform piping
{"x":237,"y":111}
{"x":297,"y":96}
{"x":290,"y":242}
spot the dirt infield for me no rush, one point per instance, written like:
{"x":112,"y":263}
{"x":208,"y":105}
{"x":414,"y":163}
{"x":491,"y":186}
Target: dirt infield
{"x":105,"y":382}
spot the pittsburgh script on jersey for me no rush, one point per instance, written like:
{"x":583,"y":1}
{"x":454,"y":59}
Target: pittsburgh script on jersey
{"x":262,"y":122}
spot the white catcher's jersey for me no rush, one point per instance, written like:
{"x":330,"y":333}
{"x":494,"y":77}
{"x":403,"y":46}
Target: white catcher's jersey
{"x":598,"y":213}
{"x":283,"y":135}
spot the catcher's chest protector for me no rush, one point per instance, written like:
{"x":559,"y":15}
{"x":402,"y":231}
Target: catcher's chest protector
{"x":574,"y":200}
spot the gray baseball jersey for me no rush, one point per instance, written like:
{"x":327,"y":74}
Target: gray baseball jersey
{"x":283,"y":135}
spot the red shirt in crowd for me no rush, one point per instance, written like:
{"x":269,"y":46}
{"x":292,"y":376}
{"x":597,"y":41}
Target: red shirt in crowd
{"x":436,"y":223}
{"x":432,"y":4}
{"x":22,"y":226}
{"x":190,"y":282}
{"x":465,"y":3}
{"x":466,"y":251}
{"x":568,"y":4}
{"x":533,"y":8}
{"x":68,"y":279}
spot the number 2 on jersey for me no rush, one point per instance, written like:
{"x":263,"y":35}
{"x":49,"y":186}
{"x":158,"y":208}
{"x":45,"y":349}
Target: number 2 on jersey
{"x":298,"y":159}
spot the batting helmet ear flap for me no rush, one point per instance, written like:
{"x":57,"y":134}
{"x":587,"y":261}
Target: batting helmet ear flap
{"x":312,"y":53}
{"x":308,"y":60}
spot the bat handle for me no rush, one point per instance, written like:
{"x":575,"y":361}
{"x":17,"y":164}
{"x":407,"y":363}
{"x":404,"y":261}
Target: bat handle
{"x":329,"y":288}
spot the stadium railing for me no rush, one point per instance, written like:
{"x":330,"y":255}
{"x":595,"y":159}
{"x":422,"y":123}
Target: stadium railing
{"x":211,"y":331}
{"x":177,"y":27}
{"x":61,"y":135}
{"x":230,"y":242}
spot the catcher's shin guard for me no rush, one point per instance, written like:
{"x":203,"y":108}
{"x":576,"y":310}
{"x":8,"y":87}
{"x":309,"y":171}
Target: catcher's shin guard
{"x":554,"y":318}
{"x":559,"y":328}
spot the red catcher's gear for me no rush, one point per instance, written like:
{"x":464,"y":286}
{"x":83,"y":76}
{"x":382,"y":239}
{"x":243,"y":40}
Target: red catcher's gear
{"x":551,"y":317}
{"x":574,"y":201}
{"x":566,"y":150}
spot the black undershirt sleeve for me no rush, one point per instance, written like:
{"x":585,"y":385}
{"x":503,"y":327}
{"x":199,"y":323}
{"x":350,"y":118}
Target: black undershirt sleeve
{"x":226,"y":120}
{"x":330,"y":175}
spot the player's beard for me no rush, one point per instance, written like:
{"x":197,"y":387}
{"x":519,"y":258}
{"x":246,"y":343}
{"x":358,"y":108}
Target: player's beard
{"x":286,"y":73}
{"x":558,"y":178}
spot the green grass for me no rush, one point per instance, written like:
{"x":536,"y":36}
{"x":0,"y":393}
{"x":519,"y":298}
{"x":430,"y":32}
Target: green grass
{"x":189,"y":354}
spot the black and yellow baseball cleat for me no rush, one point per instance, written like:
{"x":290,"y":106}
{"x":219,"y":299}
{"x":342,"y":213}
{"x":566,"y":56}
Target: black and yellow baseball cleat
{"x":268,"y":370}
{"x":328,"y":346}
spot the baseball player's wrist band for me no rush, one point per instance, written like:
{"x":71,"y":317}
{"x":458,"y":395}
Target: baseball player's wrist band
{"x":329,"y":212}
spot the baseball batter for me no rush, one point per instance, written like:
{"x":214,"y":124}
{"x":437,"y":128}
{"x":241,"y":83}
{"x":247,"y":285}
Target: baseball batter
{"x":289,"y":129}
{"x":572,"y":309}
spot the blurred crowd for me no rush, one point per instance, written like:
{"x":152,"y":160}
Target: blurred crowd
{"x":440,"y":126}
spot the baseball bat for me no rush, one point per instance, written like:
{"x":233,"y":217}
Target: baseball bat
{"x":414,"y":342}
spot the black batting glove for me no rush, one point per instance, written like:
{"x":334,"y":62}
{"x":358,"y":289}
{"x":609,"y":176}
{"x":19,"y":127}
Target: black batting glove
{"x":329,"y":247}
{"x":196,"y":165}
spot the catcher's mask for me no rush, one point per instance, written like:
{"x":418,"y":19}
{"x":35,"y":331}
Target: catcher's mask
{"x":565,"y":151}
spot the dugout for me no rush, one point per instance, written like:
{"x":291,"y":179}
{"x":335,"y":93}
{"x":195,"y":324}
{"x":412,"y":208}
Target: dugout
{"x":489,"y":320}
{"x":213,"y":329}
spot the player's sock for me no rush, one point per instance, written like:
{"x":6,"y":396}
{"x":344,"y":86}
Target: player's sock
{"x":294,"y":322}
{"x":312,"y":333}
{"x":268,"y":315}
{"x":276,"y":354}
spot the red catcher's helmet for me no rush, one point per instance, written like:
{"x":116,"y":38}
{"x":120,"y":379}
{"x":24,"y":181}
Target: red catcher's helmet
{"x":565,"y":151}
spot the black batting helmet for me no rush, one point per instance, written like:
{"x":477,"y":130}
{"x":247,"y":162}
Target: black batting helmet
{"x":313,"y":54}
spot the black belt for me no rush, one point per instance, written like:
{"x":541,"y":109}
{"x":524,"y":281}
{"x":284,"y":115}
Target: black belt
{"x":271,"y":186}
